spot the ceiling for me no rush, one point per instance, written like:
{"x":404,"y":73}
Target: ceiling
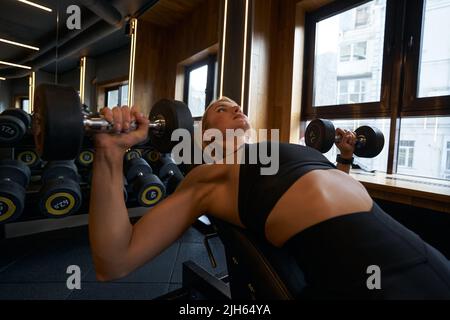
{"x":26,"y":24}
{"x":168,"y":12}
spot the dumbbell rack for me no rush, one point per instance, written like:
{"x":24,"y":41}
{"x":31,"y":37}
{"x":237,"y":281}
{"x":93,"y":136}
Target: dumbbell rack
{"x":30,"y":211}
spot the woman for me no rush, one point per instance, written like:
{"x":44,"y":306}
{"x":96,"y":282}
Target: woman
{"x":325,"y":218}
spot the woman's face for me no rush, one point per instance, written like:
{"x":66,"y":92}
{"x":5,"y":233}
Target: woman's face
{"x":226,"y":114}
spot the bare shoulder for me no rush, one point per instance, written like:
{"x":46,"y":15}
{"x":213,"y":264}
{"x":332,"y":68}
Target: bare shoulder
{"x":204,"y":174}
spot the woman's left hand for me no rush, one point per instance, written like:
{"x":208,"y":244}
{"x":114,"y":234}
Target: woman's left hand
{"x":347,"y":143}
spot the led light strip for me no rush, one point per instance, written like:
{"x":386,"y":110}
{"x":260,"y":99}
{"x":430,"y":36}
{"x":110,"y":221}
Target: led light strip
{"x":244,"y":58}
{"x":82,"y":78}
{"x":224,"y":36}
{"x":133,"y":25}
{"x":35,"y":5}
{"x":15,"y":65}
{"x":31,"y":87}
{"x":19,"y":44}
{"x":1,"y":78}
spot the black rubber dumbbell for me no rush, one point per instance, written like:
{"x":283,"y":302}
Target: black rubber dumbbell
{"x":153,"y":158}
{"x":60,"y":194}
{"x":30,"y":158}
{"x":147,"y":186}
{"x":321,"y":135}
{"x":169,"y":173}
{"x":85,"y":158}
{"x":14,"y":179}
{"x":14,"y":123}
{"x":133,"y":154}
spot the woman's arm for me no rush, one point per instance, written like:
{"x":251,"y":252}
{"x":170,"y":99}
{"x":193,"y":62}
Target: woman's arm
{"x":118,"y":247}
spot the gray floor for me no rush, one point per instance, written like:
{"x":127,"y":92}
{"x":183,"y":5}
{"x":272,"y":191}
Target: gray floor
{"x":34,"y":267}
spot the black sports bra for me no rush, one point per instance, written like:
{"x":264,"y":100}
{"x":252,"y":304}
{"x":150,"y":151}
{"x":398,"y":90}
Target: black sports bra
{"x":259,"y":193}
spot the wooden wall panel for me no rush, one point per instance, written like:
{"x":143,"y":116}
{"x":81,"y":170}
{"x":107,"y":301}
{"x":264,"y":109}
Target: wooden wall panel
{"x":161,"y":50}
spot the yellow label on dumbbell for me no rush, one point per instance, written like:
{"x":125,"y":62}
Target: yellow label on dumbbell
{"x":153,"y":156}
{"x":10,"y":209}
{"x":86,"y":157}
{"x":63,"y":206}
{"x":155,"y":194}
{"x":28,"y":157}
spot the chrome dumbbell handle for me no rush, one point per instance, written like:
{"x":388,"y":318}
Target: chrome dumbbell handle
{"x":99,"y":124}
{"x":360,"y":140}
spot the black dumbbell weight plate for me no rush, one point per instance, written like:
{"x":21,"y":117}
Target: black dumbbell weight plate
{"x":320,"y":135}
{"x":136,"y":166}
{"x":85,"y":158}
{"x":176,"y":116}
{"x":57,"y":122}
{"x":12,"y":201}
{"x":60,"y":198}
{"x":60,"y":169}
{"x":374,"y":142}
{"x":16,"y":171}
{"x":149,"y":190}
{"x":11,"y":130}
{"x":30,"y":158}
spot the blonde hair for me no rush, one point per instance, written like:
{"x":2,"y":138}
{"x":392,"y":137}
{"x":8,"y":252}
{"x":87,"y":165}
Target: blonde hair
{"x":205,"y":114}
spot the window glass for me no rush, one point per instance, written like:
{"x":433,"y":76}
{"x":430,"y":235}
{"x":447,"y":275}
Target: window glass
{"x":424,"y":147}
{"x":434,"y":64}
{"x":349,"y":50}
{"x":198,"y":79}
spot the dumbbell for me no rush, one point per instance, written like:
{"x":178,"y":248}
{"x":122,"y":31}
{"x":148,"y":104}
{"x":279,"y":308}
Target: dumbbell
{"x":30,"y":158}
{"x":59,"y":124}
{"x":60,"y":194}
{"x":133,"y":154}
{"x":153,"y":157}
{"x":14,"y":123}
{"x":147,"y":186}
{"x":321,"y":135}
{"x":85,"y":158}
{"x":169,"y":173}
{"x":14,"y":179}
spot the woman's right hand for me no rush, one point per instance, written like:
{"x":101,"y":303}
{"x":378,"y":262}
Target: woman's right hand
{"x":122,"y":138}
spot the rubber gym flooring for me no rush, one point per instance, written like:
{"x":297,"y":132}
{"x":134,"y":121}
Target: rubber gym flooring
{"x":34,"y":267}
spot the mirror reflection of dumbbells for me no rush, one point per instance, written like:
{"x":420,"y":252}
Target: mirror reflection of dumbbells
{"x":14,"y":124}
{"x":148,"y":188}
{"x":14,"y":179}
{"x":169,"y":173}
{"x":321,"y":135}
{"x":60,"y":194}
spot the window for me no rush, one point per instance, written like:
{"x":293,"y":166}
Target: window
{"x":352,"y":91}
{"x":447,"y":166}
{"x":199,"y":88}
{"x":434,"y":69}
{"x":117,"y":96}
{"x":351,"y":74}
{"x":340,"y":52}
{"x":362,"y":16}
{"x":406,"y":154}
{"x":423,"y":148}
{"x":25,"y":104}
{"x":353,"y":52}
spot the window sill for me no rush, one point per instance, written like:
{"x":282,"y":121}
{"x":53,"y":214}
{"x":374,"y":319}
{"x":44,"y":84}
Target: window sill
{"x":420,"y":192}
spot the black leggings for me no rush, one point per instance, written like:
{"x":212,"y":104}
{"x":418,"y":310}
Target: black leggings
{"x":335,"y":256}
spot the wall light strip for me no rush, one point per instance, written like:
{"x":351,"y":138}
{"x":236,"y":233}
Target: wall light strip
{"x":1,"y":78}
{"x":15,"y":65}
{"x":244,"y":58}
{"x":32,"y":85}
{"x":19,"y":44}
{"x":133,"y":24}
{"x":35,"y":5}
{"x":224,"y":36}
{"x":82,"y":78}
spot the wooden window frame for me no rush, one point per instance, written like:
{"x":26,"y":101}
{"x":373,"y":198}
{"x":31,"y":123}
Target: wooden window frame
{"x":401,"y":58}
